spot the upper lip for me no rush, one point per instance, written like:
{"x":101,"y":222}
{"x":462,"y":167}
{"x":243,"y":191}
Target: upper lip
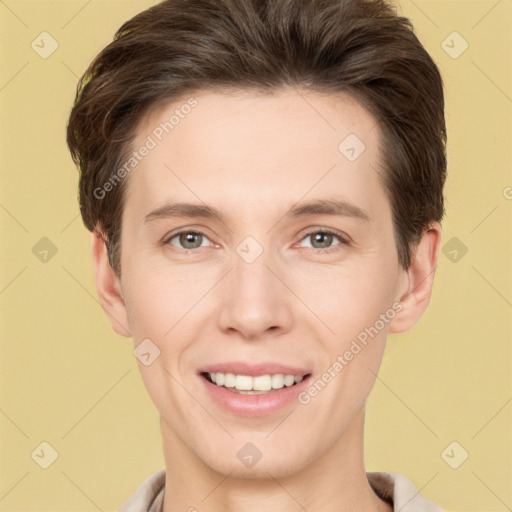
{"x":253,"y":370}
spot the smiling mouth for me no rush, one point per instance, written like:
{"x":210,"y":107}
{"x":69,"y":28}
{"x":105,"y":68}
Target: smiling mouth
{"x":249,"y":385}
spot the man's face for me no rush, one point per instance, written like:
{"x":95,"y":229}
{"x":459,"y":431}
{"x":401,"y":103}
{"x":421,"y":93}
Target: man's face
{"x":299,"y":261}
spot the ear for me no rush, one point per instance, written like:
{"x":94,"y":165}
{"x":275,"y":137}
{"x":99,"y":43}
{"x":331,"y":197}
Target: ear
{"x":415,"y":294}
{"x":108,"y":286}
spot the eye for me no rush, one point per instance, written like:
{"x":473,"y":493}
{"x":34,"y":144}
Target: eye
{"x":188,"y":240}
{"x":322,"y":239}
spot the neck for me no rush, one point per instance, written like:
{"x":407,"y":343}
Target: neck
{"x":336,"y":480}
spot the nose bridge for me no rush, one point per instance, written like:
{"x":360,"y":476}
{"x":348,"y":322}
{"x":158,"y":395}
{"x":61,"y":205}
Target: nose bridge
{"x":252,"y":279}
{"x":254,"y":299}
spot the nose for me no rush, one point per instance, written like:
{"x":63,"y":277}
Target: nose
{"x":255,"y":303}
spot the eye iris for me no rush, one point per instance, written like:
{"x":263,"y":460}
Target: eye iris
{"x":325,"y":239}
{"x":189,"y":240}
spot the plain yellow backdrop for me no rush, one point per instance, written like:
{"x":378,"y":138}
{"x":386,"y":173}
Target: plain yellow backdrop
{"x":444,"y":391}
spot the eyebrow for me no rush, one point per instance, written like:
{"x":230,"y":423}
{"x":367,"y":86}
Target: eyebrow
{"x":329,"y":207}
{"x":314,"y":207}
{"x":182,"y":210}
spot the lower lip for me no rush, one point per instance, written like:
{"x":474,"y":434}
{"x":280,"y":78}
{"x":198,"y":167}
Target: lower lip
{"x":254,"y":405}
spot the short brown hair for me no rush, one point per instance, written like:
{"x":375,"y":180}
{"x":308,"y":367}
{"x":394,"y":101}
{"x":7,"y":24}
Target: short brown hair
{"x":361,"y":47}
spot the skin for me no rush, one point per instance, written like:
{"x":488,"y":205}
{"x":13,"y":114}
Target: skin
{"x":253,"y":158}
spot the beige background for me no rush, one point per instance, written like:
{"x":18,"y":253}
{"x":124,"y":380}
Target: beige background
{"x":68,"y":380}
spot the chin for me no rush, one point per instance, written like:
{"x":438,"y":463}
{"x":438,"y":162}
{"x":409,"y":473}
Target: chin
{"x":269,"y":462}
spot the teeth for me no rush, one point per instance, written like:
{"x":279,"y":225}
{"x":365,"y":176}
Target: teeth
{"x":229,"y":380}
{"x":277,"y":381}
{"x":248,"y":385}
{"x":242,"y":382}
{"x":262,"y":383}
{"x":289,"y":380}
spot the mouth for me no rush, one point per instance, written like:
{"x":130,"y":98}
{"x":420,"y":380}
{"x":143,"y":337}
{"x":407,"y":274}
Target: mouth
{"x":253,"y":389}
{"x":254,"y":384}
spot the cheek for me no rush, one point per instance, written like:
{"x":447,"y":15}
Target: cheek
{"x":164,"y":307}
{"x":357,"y":307}
{"x":158,"y":300}
{"x":347,"y":301}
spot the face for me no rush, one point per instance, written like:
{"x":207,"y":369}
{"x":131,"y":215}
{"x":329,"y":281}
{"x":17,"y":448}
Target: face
{"x":257,"y":242}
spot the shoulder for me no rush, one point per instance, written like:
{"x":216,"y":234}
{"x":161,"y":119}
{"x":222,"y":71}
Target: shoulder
{"x":148,"y":496}
{"x":400,"y":491}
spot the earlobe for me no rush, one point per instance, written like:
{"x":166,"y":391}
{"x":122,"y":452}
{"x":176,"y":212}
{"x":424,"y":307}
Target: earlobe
{"x":108,"y":286}
{"x":420,"y":275}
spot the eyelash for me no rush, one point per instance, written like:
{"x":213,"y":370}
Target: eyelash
{"x":342,"y":238}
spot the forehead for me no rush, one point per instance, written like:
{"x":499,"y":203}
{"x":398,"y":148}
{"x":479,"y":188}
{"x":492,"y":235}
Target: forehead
{"x":245,"y":147}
